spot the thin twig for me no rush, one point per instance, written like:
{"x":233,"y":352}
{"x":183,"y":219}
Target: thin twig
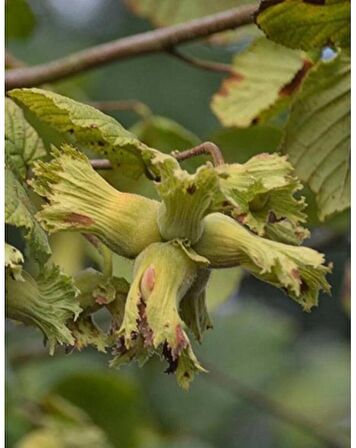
{"x":155,"y":41}
{"x":199,"y":63}
{"x":136,"y":106}
{"x":208,"y":148}
{"x":319,"y":431}
{"x":204,"y":148}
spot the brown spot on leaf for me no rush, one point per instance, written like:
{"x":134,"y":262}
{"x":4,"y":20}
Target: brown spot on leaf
{"x":101,"y":143}
{"x":293,"y":85}
{"x":78,"y":219}
{"x":235,"y":78}
{"x":93,"y":126}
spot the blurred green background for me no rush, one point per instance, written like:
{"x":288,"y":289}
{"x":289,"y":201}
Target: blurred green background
{"x":262,"y":348}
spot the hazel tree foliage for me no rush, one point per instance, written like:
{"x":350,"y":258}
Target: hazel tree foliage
{"x":221,"y":215}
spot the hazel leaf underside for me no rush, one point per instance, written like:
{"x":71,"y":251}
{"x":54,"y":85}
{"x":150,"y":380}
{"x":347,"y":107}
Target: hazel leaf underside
{"x":317,"y":139}
{"x":90,"y":128}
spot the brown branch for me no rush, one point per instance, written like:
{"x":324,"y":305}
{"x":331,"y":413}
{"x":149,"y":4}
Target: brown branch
{"x":155,"y":41}
{"x":208,"y":148}
{"x":319,"y":431}
{"x":199,"y":63}
{"x":136,"y":106}
{"x":204,"y":148}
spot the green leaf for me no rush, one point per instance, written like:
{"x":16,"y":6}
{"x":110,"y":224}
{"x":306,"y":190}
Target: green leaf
{"x":19,"y":212}
{"x":22,"y":143}
{"x":85,"y":125}
{"x":306,"y":25}
{"x":19,"y":19}
{"x":47,"y":302}
{"x":170,"y":12}
{"x":91,"y":129}
{"x":164,"y":134}
{"x":262,"y":74}
{"x":260,"y":195}
{"x":13,"y":261}
{"x":317,"y":137}
{"x":79,"y":199}
{"x":300,"y":271}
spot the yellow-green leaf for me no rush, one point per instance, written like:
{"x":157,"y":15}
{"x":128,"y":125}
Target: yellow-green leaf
{"x":85,"y":125}
{"x":262,"y":74}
